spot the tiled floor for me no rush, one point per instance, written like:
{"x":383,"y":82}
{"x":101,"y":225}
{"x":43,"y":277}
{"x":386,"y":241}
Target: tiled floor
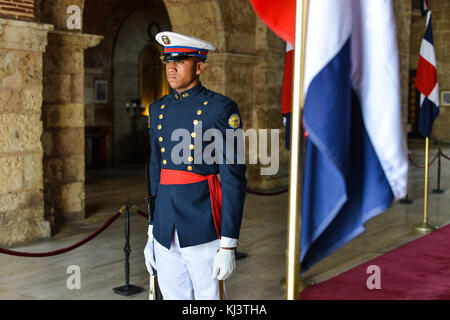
{"x":263,"y":239}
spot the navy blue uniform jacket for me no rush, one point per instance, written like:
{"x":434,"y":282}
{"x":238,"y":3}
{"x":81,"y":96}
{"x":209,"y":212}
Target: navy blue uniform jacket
{"x":187,"y":207}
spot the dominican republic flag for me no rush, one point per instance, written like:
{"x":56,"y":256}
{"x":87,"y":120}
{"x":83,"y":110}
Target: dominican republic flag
{"x":426,"y":82}
{"x":356,"y":162}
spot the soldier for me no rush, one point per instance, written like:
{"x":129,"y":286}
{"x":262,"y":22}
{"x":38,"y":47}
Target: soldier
{"x":195,"y":231}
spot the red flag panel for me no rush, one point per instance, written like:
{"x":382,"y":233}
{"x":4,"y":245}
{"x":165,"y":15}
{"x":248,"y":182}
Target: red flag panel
{"x":426,"y":77}
{"x":278,"y":15}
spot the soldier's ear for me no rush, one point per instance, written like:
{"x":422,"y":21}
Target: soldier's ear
{"x":200,"y":66}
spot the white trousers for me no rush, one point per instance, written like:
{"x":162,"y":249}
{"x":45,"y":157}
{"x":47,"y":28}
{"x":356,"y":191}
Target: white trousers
{"x":185,"y":273}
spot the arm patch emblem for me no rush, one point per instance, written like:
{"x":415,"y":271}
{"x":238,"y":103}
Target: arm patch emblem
{"x":234,"y":121}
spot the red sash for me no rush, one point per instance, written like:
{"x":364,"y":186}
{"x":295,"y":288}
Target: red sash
{"x":170,"y":176}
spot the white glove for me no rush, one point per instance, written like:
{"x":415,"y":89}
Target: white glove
{"x":224,"y":264}
{"x":149,"y":253}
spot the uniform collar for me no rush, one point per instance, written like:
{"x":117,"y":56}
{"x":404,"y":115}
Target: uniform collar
{"x":192,"y":92}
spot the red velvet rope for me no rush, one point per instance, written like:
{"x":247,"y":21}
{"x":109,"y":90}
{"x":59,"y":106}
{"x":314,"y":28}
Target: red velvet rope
{"x":141,"y":213}
{"x":442,"y":154}
{"x":76,"y":245}
{"x":422,"y":167}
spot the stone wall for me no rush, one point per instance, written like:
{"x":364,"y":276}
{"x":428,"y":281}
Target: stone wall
{"x":441,"y":35}
{"x":41,"y":122}
{"x":402,"y":11}
{"x":63,"y":139}
{"x":21,"y":170}
{"x":266,"y":109}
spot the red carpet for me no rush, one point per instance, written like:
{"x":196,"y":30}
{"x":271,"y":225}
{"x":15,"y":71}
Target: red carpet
{"x":419,"y":270}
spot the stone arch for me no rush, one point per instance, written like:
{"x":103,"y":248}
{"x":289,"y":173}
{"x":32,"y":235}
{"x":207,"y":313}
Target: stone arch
{"x":198,"y":18}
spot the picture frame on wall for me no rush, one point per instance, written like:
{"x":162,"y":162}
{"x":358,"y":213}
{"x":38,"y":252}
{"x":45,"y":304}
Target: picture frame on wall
{"x":100,"y":91}
{"x":445,"y":98}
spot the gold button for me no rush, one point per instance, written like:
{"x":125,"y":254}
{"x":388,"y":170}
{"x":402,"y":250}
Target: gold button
{"x":159,"y":127}
{"x":190,"y":159}
{"x":189,"y":168}
{"x":164,"y":161}
{"x":191,"y":146}
{"x":195,"y":122}
{"x":161,"y":116}
{"x":205,"y":103}
{"x":163,"y":106}
{"x":199,"y":112}
{"x":163,"y":150}
{"x":160,"y":139}
{"x":193,"y":134}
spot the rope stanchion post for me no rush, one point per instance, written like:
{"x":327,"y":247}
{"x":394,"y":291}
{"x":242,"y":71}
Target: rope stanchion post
{"x":127,"y":289}
{"x":438,"y":189}
{"x":425,"y":226}
{"x":423,"y":167}
{"x":405,"y":200}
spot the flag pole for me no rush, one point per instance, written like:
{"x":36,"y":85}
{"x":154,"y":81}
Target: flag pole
{"x":425,"y":227}
{"x":293,"y":251}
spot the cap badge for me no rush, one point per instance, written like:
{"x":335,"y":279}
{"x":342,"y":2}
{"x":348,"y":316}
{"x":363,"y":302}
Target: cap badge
{"x":165,"y":39}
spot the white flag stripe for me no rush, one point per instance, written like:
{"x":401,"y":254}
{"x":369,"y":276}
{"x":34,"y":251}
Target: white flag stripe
{"x":289,"y":47}
{"x":434,"y":95}
{"x":375,"y":69}
{"x":337,"y":31}
{"x":427,"y":52}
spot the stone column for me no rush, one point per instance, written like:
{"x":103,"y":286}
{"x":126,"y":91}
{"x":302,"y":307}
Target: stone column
{"x":63,"y":117}
{"x":403,"y":10}
{"x":266,"y":109}
{"x":21,"y":185}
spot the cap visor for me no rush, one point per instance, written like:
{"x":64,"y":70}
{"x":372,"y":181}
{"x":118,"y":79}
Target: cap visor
{"x":168,"y":58}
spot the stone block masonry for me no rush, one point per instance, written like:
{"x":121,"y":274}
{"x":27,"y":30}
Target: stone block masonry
{"x":21,"y":153}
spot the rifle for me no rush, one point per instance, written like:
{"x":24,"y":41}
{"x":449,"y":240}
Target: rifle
{"x":154,"y":292}
{"x":150,"y":198}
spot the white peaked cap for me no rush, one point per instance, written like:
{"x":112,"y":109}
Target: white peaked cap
{"x":178,"y":46}
{"x":173,"y":39}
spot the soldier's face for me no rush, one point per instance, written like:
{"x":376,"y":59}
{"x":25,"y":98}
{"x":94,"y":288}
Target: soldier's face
{"x":184,"y":74}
